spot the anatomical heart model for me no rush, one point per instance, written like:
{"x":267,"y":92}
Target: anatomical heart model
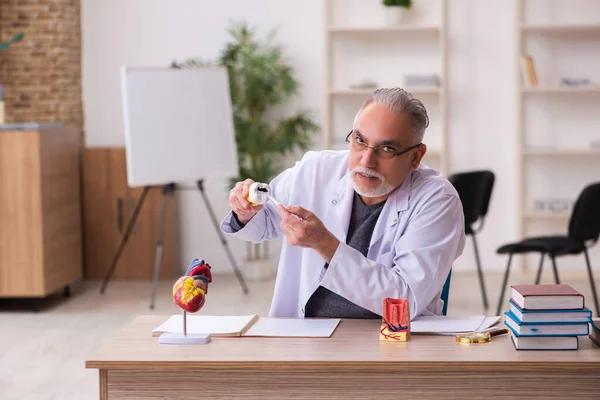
{"x":395,"y":324}
{"x":189,"y":292}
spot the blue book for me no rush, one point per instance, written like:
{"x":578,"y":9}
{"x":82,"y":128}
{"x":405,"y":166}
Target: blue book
{"x":545,"y":342}
{"x":541,"y":316}
{"x":547,"y":328}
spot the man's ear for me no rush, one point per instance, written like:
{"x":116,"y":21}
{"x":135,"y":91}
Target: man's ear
{"x":418,"y":156}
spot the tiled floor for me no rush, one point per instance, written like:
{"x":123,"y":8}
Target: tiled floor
{"x":42,"y":355}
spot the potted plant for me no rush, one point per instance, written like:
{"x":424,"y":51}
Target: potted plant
{"x":395,"y":10}
{"x":260,"y":81}
{"x":4,"y":46}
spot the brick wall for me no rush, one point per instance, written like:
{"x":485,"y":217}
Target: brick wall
{"x":41,"y":74}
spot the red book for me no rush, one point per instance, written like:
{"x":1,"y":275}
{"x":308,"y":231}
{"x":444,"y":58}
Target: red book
{"x":547,"y":297}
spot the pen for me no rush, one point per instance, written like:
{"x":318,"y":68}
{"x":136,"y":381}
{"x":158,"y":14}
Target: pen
{"x":273,"y":199}
{"x":278,"y":203}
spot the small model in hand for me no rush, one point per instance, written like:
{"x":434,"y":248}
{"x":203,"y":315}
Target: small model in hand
{"x":189,"y":292}
{"x":258,"y":193}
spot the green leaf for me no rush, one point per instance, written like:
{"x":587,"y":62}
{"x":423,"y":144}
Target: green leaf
{"x":397,"y":3}
{"x":14,"y":39}
{"x":18,"y":37}
{"x":260,"y":80}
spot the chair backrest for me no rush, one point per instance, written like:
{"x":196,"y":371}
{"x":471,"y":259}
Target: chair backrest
{"x":584,"y":224}
{"x":446,"y":293}
{"x":475,"y":191}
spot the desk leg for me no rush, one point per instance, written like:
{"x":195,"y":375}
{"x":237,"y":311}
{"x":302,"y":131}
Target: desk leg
{"x":103,"y":384}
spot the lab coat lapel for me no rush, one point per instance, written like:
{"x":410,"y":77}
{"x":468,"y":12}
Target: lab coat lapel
{"x":389,"y":216}
{"x":342,"y":207}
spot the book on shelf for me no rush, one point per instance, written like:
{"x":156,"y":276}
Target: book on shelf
{"x":545,"y":342}
{"x":575,"y":82}
{"x":528,"y":70}
{"x":582,"y":315}
{"x":547,"y":297}
{"x":547,"y":328}
{"x":422,"y":80}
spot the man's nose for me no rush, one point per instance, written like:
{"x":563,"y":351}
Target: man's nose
{"x":369,"y":158}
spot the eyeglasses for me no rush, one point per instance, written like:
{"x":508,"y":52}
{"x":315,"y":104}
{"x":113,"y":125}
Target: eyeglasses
{"x":358,"y":144}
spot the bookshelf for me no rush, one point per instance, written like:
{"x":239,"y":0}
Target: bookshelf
{"x":560,"y":90}
{"x":433,"y":29}
{"x":561,"y":152}
{"x":557,"y":125}
{"x":558,"y":216}
{"x":360,"y":45}
{"x":560,"y":30}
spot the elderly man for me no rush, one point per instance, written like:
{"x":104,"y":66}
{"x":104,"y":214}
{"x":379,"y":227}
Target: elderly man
{"x":374,"y":222}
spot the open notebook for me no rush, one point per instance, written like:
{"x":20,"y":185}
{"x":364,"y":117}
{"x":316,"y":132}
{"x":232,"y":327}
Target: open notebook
{"x":452,"y":325}
{"x":249,"y":325}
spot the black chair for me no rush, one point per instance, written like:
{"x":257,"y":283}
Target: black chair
{"x":475,"y":191}
{"x":584,"y":227}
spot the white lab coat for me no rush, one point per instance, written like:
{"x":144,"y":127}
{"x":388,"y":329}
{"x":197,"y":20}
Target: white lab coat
{"x":419,"y":234}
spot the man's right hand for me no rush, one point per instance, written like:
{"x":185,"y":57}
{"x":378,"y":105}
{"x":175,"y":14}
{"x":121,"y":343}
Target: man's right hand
{"x":238,"y":201}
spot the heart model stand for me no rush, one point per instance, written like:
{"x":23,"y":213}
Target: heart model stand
{"x":179,"y":338}
{"x":189,"y":297}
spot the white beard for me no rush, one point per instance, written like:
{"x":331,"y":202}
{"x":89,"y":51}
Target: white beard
{"x":382,"y":189}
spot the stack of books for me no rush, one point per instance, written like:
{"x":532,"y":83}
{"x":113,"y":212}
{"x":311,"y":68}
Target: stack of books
{"x":547,"y":317}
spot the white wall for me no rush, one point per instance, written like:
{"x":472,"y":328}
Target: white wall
{"x":481,"y":113}
{"x":154,"y":32}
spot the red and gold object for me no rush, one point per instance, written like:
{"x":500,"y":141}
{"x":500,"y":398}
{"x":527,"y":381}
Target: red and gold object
{"x":395,"y":324}
{"x":189,"y":292}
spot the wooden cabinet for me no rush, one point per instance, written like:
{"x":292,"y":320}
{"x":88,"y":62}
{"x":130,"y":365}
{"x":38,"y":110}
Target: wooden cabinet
{"x":40,"y":211}
{"x":108,"y":205}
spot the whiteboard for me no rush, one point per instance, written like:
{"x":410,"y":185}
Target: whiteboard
{"x":178,"y":125}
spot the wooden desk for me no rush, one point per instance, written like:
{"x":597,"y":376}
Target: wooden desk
{"x":352,"y":364}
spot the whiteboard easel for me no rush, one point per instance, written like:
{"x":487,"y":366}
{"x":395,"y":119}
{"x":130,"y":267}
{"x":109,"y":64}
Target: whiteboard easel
{"x":178,"y":128}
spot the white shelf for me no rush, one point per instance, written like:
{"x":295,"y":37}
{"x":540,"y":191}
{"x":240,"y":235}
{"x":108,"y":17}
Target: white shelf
{"x":562,"y":89}
{"x":535,"y":40}
{"x":432,"y":29}
{"x":561,"y":29}
{"x":339,"y":30}
{"x":365,"y":92}
{"x":561,"y":152}
{"x":546,"y":215}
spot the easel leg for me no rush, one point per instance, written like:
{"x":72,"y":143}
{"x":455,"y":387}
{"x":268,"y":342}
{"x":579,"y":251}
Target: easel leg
{"x":159,"y":242}
{"x":115,"y":260}
{"x":236,"y":270}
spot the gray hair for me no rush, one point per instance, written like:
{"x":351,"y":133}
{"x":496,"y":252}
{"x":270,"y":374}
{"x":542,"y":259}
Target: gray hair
{"x":400,"y":101}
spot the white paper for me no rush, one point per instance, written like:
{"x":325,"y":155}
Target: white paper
{"x":437,"y":324}
{"x":293,"y":327}
{"x":212,"y":324}
{"x":488,"y":324}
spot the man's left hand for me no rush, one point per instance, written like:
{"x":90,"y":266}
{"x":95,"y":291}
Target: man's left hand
{"x":309,"y":231}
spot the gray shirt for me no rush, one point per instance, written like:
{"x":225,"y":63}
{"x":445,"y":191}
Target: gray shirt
{"x":325,"y":303}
